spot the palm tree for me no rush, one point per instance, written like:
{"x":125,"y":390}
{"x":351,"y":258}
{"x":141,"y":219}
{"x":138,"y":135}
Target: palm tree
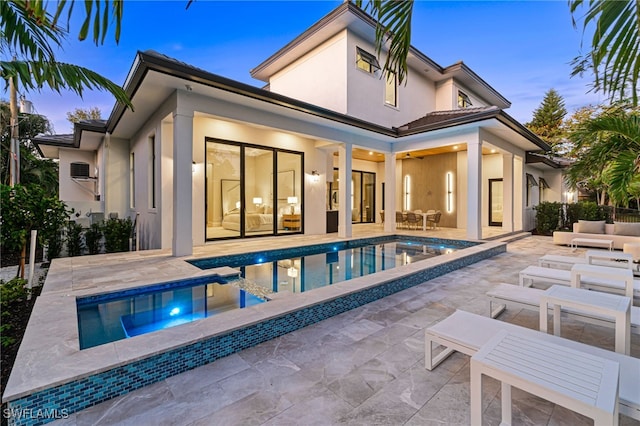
{"x":29,"y":34}
{"x":615,"y":46}
{"x":612,"y":154}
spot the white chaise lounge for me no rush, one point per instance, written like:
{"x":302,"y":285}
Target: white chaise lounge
{"x":613,"y":259}
{"x":602,"y":278}
{"x":467,"y":333}
{"x":503,"y":295}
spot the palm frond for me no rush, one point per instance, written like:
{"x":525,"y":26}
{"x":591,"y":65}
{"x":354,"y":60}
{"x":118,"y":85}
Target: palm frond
{"x":35,"y":75}
{"x":27,"y":36}
{"x":393,"y":30}
{"x":615,"y":46}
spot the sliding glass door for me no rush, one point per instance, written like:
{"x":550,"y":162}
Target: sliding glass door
{"x":363,"y":196}
{"x":244,"y":197}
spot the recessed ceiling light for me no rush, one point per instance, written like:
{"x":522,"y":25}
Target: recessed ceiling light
{"x":455,"y":147}
{"x":493,"y":151}
{"x":370,"y":152}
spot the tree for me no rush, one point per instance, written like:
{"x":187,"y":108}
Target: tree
{"x":25,"y":208}
{"x":607,"y":148}
{"x":33,"y":169}
{"x":80,"y":114}
{"x":30,"y":32}
{"x":548,"y":119}
{"x":614,"y":58}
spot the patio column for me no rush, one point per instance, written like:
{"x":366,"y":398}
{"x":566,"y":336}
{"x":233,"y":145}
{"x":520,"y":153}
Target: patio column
{"x":507,"y":192}
{"x":474,"y":189}
{"x":182,"y":244}
{"x":389,"y":192}
{"x":344,"y":189}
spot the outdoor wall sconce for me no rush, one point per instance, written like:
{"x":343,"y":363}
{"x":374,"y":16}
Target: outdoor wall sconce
{"x":407,"y":195}
{"x":193,"y":167}
{"x":449,"y":192}
{"x":315,"y":176}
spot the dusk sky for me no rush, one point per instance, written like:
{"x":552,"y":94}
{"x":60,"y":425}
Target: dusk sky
{"x":521,"y":48}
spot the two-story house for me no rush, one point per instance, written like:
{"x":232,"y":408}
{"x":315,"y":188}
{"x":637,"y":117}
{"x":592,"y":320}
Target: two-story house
{"x":203,"y":157}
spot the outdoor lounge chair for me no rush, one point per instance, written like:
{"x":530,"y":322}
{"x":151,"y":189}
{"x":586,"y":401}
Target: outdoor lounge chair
{"x":503,"y":295}
{"x":400,"y":220}
{"x":466,"y":333}
{"x":594,"y":277}
{"x":613,"y":259}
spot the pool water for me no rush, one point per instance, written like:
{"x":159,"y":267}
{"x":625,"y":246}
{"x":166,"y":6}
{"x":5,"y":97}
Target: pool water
{"x":304,"y":273}
{"x":118,"y":318}
{"x":302,"y":269}
{"x":115,"y":316}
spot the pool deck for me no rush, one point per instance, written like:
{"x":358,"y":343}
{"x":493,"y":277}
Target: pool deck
{"x":365,"y":366}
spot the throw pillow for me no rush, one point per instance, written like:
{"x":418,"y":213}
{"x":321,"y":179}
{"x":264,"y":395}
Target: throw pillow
{"x":591,"y":226}
{"x":624,"y":228}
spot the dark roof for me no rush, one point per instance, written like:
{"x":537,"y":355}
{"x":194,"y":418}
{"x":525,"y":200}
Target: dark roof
{"x":71,"y":140}
{"x":553,"y":162}
{"x":153,"y":61}
{"x":439,"y":117}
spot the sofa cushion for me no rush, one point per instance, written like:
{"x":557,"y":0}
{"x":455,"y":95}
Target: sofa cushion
{"x":624,"y":228}
{"x":591,"y":226}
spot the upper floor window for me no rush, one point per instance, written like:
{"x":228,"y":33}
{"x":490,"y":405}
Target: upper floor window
{"x":391,"y":90}
{"x":463,"y":100}
{"x":366,"y":61}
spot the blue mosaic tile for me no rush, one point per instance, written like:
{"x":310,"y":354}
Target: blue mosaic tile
{"x":83,"y":393}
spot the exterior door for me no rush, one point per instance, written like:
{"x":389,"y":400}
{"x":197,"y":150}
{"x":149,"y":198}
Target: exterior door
{"x":496,"y":202}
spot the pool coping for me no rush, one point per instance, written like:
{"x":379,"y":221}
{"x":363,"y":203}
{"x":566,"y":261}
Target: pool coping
{"x":49,"y":355}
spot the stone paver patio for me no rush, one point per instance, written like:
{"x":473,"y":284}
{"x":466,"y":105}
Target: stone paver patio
{"x":363,"y":367}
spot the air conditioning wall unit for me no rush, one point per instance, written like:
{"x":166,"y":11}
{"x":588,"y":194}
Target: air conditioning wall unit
{"x":80,"y":170}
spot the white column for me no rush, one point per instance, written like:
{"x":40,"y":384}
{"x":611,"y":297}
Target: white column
{"x":390,"y":192}
{"x":182,"y":244}
{"x":474,"y":189}
{"x":344,"y":188}
{"x":507,"y":191}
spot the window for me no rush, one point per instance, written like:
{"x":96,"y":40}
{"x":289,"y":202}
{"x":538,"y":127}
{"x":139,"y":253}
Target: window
{"x":391,"y":90}
{"x":531,"y":182}
{"x":463,"y":100}
{"x":152,"y":172}
{"x":543,"y":185}
{"x":132,"y":180}
{"x":366,"y":61}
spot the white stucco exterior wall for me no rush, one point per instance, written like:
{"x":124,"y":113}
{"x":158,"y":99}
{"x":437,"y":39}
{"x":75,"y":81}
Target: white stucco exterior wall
{"x":366,"y":92}
{"x":78,"y":194}
{"x":318,"y":77}
{"x":117,"y":177}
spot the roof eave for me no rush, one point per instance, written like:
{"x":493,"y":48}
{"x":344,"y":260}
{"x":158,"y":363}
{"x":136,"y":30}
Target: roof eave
{"x":147,"y":62}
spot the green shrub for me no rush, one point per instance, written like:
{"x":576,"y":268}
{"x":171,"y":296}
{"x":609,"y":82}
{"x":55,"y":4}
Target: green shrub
{"x":75,"y":244}
{"x":54,"y":245}
{"x":93,"y":238}
{"x":11,"y":292}
{"x":548,"y":217}
{"x":116,"y":234}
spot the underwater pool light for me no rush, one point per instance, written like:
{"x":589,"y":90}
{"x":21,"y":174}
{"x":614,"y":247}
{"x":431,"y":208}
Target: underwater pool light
{"x":173,"y":312}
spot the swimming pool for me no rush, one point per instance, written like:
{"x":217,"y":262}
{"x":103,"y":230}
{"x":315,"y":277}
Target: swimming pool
{"x":115,"y":316}
{"x":306,"y":268}
{"x":122,"y":315}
